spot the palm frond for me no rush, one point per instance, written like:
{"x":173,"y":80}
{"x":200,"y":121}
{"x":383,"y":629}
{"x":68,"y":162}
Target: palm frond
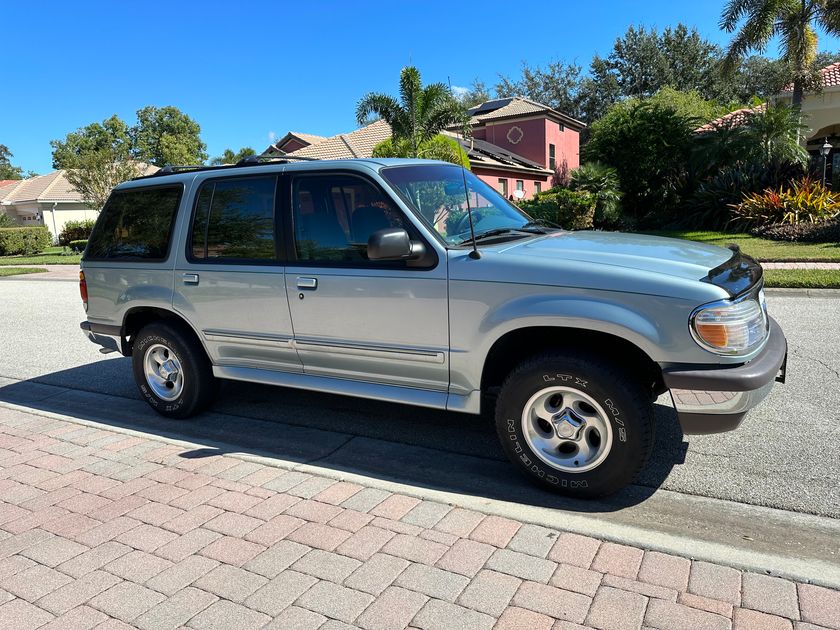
{"x":374,"y":105}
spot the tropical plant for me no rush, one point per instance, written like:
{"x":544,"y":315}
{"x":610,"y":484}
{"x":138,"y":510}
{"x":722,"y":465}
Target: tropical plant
{"x":438,"y":147}
{"x":805,"y":201}
{"x":602,"y":182}
{"x":229,"y":156}
{"x":570,"y":209}
{"x":794,"y":22}
{"x":419,"y":114}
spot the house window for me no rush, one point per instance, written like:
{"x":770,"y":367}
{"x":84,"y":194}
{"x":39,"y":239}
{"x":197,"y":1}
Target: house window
{"x":537,"y":187}
{"x":503,"y":187}
{"x":520,"y":185}
{"x":552,"y":161}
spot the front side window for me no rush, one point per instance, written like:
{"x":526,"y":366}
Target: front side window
{"x":234,"y":220}
{"x":136,"y":224}
{"x":438,"y":194}
{"x":335,"y":215}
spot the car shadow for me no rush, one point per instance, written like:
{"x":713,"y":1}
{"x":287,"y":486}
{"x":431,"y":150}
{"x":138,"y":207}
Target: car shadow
{"x":428,"y":448}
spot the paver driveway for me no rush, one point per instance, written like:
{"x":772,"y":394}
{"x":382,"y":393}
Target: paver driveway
{"x":101,"y":529}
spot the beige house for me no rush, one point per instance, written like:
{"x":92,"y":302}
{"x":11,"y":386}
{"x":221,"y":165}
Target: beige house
{"x":47,"y":200}
{"x":821,"y":114}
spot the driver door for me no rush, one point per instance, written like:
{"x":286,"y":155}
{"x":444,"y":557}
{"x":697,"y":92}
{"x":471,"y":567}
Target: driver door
{"x":378,"y":321}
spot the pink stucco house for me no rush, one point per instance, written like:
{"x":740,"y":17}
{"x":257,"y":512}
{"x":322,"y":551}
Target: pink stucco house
{"x":516,"y":144}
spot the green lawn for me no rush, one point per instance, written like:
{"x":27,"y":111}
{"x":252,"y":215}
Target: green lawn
{"x":802,"y":278}
{"x":14,"y":271}
{"x":764,"y":249}
{"x":50,"y":256}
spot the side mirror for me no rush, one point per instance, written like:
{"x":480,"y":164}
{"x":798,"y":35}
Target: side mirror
{"x":393,"y":244}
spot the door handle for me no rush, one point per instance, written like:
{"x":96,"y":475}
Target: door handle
{"x":307,"y":283}
{"x":189,"y":278}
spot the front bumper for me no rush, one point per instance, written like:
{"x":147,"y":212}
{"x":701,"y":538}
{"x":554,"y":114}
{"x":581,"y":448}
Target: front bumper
{"x":109,"y":337}
{"x":714,"y":400}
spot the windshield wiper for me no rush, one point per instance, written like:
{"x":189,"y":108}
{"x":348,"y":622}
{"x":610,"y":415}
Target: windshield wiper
{"x":540,"y":223}
{"x":498,"y":232}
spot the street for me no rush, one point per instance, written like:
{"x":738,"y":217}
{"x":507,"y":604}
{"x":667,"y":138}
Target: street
{"x":785,"y":456}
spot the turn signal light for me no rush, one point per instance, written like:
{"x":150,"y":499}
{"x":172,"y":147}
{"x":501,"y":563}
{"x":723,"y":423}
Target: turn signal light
{"x":727,"y":327}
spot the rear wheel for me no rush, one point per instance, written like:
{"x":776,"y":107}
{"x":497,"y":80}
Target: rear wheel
{"x":172,"y":370}
{"x":575,"y":424}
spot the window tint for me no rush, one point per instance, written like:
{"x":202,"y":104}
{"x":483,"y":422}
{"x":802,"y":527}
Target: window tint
{"x":234,"y":219}
{"x":135,"y":224}
{"x":334,"y":217}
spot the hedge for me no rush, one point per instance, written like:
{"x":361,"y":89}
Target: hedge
{"x":75,"y":231}
{"x":78,"y":246}
{"x":24,"y":240}
{"x":570,"y":209}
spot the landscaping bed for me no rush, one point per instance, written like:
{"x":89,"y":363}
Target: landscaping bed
{"x":763,"y":249}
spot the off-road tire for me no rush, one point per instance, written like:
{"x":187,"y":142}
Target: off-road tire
{"x":628,"y":408}
{"x":199,"y":382}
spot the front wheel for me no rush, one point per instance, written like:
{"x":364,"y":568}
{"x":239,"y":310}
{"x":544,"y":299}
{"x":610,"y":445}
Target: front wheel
{"x":575,"y":424}
{"x":172,"y":370}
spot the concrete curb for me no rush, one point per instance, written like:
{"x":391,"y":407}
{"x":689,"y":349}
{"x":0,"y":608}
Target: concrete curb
{"x":823,"y":573}
{"x":803,"y":293}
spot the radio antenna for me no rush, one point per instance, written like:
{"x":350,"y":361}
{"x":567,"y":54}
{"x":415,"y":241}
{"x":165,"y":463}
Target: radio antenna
{"x":474,"y":254}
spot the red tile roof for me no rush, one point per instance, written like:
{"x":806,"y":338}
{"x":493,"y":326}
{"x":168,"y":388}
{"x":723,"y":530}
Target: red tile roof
{"x":732,"y":119}
{"x":829,"y":77}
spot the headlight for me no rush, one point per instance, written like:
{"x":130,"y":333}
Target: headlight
{"x":730,"y":327}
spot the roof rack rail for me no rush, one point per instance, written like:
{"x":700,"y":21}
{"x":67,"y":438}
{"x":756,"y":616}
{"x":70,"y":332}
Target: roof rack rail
{"x":255,"y":160}
{"x":250,"y":160}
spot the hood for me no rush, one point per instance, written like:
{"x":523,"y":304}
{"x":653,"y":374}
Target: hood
{"x":619,"y":261}
{"x":671,"y":256}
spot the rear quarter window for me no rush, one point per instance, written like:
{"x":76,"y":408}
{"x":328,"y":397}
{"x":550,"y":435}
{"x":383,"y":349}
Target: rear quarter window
{"x":136,"y":224}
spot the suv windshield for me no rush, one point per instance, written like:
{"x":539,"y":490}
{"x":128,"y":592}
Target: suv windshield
{"x":436,"y":192}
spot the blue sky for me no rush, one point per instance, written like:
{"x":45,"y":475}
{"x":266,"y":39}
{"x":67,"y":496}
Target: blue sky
{"x":246,"y":70}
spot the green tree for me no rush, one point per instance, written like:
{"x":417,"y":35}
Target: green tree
{"x":647,"y":143}
{"x":166,"y":135}
{"x":7,"y":169}
{"x":112,"y":135}
{"x":558,"y":85}
{"x":795,"y":22}
{"x":438,"y":147}
{"x":476,"y":94}
{"x":419,"y":114}
{"x":94,"y":173}
{"x":231,"y":157}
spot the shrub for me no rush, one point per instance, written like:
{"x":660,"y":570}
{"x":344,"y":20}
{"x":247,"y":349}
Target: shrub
{"x":710,"y":207}
{"x":75,"y":231}
{"x":78,"y":246}
{"x":6,"y":220}
{"x":602,"y":182}
{"x":24,"y":240}
{"x":570,"y":209}
{"x":806,"y":201}
{"x":824,"y":232}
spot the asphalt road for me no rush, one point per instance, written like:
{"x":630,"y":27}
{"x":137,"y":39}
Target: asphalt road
{"x":786,"y":455}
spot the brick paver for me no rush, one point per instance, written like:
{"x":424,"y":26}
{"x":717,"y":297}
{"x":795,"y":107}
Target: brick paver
{"x":100,"y":530}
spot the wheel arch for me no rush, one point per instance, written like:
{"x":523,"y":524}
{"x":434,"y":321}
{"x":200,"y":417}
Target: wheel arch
{"x":517,"y":345}
{"x":137,"y":317}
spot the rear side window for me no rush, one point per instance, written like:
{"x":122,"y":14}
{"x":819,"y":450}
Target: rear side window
{"x":234,"y":220}
{"x":136,"y":224}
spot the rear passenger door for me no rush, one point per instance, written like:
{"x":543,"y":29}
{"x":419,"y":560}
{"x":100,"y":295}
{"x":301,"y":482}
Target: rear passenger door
{"x":229,"y":280}
{"x":369,"y":320}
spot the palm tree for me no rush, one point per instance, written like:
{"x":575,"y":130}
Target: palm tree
{"x":419,"y":115}
{"x":795,"y":22}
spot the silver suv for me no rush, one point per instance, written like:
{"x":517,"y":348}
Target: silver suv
{"x":413,"y":281}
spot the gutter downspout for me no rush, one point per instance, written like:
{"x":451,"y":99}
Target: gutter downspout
{"x":55,"y":227}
